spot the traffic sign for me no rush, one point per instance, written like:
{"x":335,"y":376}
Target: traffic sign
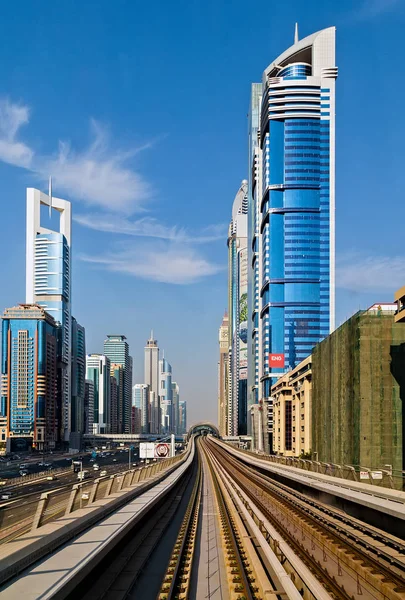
{"x":162,"y":450}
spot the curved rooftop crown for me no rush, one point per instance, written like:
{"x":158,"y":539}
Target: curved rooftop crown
{"x":240,"y":205}
{"x":317,"y":50}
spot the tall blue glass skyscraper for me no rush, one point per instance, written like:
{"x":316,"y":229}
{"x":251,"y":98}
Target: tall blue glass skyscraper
{"x":292,"y":199}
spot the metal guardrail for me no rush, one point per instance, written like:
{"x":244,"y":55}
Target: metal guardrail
{"x":57,"y":503}
{"x":383,"y":477}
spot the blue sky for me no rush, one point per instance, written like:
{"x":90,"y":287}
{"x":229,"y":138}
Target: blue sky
{"x":138,"y":110}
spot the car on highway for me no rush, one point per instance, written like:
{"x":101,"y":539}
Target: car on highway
{"x":6,"y":496}
{"x":114,"y":460}
{"x":51,"y":477}
{"x":103,"y":473}
{"x":23,"y":473}
{"x":96,"y":467}
{"x":83,"y":475}
{"x":23,"y":466}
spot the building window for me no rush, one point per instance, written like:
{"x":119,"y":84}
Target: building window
{"x":288,"y":425}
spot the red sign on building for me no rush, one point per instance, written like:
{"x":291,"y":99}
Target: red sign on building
{"x":276,"y":360}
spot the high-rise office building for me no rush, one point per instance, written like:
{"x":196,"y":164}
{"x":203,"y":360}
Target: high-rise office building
{"x":117,"y":350}
{"x":116,"y":375}
{"x":140,"y":400}
{"x":166,"y":396}
{"x":223,"y":374}
{"x":237,"y":310}
{"x":48,"y":283}
{"x":183,"y":416}
{"x":292,"y":216}
{"x":175,"y":407}
{"x":254,"y":252}
{"x":151,"y":378}
{"x":98,"y":372}
{"x":78,"y":377}
{"x":28,"y":406}
{"x":88,"y":406}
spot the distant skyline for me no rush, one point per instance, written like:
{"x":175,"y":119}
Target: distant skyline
{"x":138,"y":111}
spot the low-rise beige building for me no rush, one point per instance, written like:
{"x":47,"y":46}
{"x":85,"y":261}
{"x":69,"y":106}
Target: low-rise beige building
{"x":292,"y":409}
{"x":399,"y":298}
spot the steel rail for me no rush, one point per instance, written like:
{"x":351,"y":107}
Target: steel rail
{"x":176,"y":581}
{"x":250,"y":482}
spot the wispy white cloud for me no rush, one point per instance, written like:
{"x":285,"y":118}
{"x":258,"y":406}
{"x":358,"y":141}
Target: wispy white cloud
{"x":359,"y":273}
{"x":12,"y":118}
{"x":149,"y":227}
{"x":101,"y":176}
{"x":97,"y":175}
{"x":178,"y":265}
{"x":369,"y":9}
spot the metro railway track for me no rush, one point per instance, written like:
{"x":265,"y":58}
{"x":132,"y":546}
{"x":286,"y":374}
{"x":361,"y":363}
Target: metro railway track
{"x":177,"y":580}
{"x":379,"y":558}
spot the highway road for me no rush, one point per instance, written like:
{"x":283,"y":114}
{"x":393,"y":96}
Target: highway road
{"x":16,"y":514}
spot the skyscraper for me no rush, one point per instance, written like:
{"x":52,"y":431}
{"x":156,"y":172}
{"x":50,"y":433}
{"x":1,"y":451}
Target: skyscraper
{"x":152,"y":380}
{"x":115,"y":377}
{"x":117,"y":350}
{"x":166,"y":396}
{"x":183,"y":416}
{"x":141,"y":401}
{"x":98,"y":372}
{"x":237,"y":309}
{"x":292,"y":198}
{"x":176,"y":407}
{"x":223,"y":374}
{"x":88,"y":406}
{"x":48,"y":282}
{"x":28,"y":407}
{"x":78,"y":377}
{"x":254,"y":252}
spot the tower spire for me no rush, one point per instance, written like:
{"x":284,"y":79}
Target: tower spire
{"x":296,"y":33}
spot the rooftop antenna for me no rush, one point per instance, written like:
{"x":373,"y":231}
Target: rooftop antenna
{"x":50,"y":196}
{"x":296,"y":34}
{"x":151,"y":334}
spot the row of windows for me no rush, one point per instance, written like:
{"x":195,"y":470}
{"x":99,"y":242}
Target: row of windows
{"x":299,"y":179}
{"x":302,"y":162}
{"x":288,"y":147}
{"x":302,"y":171}
{"x":288,"y":225}
{"x":300,"y":139}
{"x":301,"y":248}
{"x":302,"y":155}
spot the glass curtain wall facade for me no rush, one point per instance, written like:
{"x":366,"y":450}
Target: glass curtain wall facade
{"x":48,"y":283}
{"x":78,"y":366}
{"x":117,"y":350}
{"x":293,"y":191}
{"x":28,"y":403}
{"x":166,"y":396}
{"x":98,"y":373}
{"x":238,"y":314}
{"x":140,"y":400}
{"x":254,"y":252}
{"x":176,"y":407}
